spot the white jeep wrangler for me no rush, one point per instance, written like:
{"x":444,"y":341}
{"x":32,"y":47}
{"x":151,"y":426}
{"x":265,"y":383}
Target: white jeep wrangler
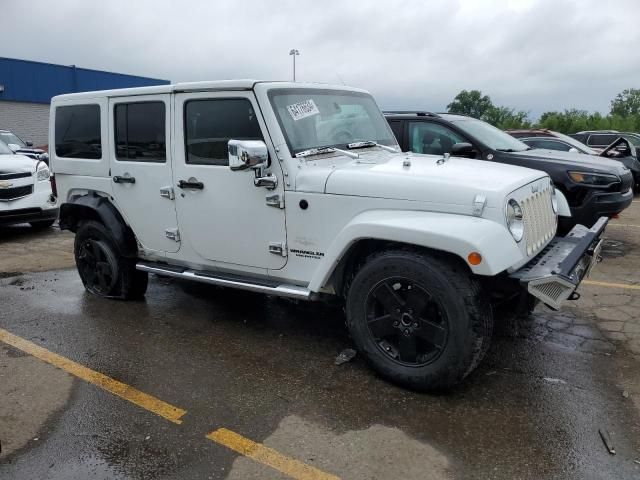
{"x":26,"y":194}
{"x":300,"y":190}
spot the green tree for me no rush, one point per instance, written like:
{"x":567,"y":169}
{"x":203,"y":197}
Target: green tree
{"x":626,"y":103}
{"x":471,"y":102}
{"x":505,"y":118}
{"x":569,"y":121}
{"x":477,"y":105}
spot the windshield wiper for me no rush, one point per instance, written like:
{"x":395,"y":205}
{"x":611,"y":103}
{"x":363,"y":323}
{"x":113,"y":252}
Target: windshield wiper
{"x":510,"y":150}
{"x":371,"y":143}
{"x":321,"y":150}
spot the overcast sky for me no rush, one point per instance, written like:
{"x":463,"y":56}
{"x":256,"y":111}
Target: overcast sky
{"x":534,"y":55}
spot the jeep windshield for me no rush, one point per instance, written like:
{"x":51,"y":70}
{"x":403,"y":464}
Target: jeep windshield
{"x":316,"y":119}
{"x":491,"y":136}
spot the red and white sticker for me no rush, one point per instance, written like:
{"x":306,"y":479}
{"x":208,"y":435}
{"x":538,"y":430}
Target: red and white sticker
{"x":301,"y":110}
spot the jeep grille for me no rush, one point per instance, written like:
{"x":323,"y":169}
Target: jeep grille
{"x":539,"y":220}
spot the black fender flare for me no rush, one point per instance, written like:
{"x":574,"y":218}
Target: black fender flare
{"x":96,"y":207}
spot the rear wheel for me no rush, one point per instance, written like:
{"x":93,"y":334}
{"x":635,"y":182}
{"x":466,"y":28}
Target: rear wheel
{"x":420,"y":321}
{"x":103,"y":271}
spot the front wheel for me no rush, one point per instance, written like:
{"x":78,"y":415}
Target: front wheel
{"x":103,"y":271}
{"x":420,"y":321}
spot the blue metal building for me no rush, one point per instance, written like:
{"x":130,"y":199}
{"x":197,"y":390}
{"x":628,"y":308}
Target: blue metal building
{"x":26,"y":89}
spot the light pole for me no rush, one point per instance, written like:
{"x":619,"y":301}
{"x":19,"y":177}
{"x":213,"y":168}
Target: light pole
{"x":294,"y":53}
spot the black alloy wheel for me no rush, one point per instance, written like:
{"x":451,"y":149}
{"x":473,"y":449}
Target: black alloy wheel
{"x":97,"y":266}
{"x":419,"y":319}
{"x":407,"y":323}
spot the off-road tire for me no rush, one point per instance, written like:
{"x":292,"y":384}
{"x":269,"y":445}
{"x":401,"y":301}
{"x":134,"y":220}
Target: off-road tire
{"x":117,"y":277}
{"x":460,"y":298}
{"x":42,"y":224}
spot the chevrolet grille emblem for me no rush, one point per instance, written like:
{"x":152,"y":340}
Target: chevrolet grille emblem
{"x":5,"y":184}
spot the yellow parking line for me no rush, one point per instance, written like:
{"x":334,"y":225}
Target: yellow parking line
{"x":148,"y":402}
{"x":234,"y":441}
{"x":611,"y":285}
{"x":267,"y":456}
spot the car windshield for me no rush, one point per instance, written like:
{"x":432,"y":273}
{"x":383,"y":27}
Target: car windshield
{"x":312,"y":118}
{"x":8,"y":137}
{"x":575,"y":143}
{"x":491,"y":136}
{"x":4,"y":149}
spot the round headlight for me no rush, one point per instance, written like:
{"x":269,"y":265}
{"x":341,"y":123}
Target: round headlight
{"x":515,"y":220}
{"x":554,"y":200}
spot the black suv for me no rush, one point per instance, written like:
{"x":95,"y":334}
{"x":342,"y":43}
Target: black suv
{"x":593,"y":187}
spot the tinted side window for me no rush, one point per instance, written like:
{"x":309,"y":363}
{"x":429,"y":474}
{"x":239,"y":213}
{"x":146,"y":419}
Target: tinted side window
{"x":581,"y":137}
{"x":602,"y":140}
{"x":140,"y":131}
{"x":396,"y":127}
{"x":548,"y":144}
{"x":78,"y":132}
{"x":211,"y":123}
{"x":432,"y":138}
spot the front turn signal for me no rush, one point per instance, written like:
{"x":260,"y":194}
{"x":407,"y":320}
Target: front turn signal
{"x":474,"y":258}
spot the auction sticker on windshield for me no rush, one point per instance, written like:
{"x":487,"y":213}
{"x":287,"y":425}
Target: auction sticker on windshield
{"x":301,"y":110}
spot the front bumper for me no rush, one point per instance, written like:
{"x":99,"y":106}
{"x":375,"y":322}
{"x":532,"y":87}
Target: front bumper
{"x":555,"y":273}
{"x":601,"y":204}
{"x":26,"y":215}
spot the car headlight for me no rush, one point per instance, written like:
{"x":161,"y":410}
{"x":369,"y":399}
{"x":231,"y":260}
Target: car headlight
{"x":42,"y":173}
{"x":594,"y":179}
{"x":515,"y":219}
{"x":554,"y":200}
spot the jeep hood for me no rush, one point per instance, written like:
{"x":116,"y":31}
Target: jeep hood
{"x":426,"y":178}
{"x":571,"y":159}
{"x":10,"y":163}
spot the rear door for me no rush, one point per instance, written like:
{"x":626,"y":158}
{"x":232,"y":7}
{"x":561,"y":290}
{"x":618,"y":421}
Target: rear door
{"x":141,"y":168}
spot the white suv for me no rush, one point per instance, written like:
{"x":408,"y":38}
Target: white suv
{"x":300,"y":190}
{"x":26,"y":194}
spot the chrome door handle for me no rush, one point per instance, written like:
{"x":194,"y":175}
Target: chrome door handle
{"x":119,"y":179}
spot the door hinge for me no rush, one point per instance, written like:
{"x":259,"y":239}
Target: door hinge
{"x":275,"y":201}
{"x":172,"y":234}
{"x":279,"y":248}
{"x":167,"y":192}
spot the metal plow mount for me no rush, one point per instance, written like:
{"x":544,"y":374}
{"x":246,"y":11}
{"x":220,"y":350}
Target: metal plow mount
{"x":555,"y":273}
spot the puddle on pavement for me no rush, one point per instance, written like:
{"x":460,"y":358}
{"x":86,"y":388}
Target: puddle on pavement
{"x":375,"y":452}
{"x":614,"y":248}
{"x":86,"y":467}
{"x":31,"y":393}
{"x":10,"y":274}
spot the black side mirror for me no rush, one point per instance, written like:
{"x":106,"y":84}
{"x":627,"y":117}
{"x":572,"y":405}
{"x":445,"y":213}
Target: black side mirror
{"x":29,"y":144}
{"x":463,"y":150}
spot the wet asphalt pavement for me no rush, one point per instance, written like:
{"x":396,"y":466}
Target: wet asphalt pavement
{"x":264,"y":368}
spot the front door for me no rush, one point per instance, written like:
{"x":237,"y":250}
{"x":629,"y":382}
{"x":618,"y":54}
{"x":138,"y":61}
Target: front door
{"x":223,"y":216}
{"x":140,"y":163}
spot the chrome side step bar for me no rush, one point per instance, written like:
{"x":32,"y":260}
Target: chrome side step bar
{"x":281,"y":290}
